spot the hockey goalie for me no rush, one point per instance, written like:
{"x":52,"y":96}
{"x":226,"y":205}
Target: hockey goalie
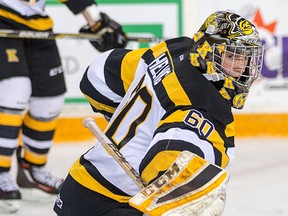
{"x":169,"y":111}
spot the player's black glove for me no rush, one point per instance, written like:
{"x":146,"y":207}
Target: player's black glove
{"x":110,"y":32}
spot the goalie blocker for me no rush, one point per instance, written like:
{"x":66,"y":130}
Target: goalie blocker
{"x":191,"y":186}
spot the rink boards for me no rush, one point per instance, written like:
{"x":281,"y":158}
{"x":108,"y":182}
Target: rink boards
{"x":71,"y":129}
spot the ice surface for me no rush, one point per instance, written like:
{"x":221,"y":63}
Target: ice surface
{"x":258,"y":183}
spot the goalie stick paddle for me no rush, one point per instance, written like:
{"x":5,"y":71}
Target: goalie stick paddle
{"x":8,"y":33}
{"x":115,"y":153}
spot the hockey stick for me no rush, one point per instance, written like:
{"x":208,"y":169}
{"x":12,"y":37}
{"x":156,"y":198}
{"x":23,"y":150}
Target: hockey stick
{"x":9,"y":33}
{"x":115,"y":153}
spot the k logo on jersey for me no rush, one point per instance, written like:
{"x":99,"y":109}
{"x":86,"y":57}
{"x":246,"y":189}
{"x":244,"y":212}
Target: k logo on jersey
{"x":12,"y":55}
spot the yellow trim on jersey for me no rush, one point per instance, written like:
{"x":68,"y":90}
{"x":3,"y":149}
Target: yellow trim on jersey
{"x":177,"y":116}
{"x":39,"y":125}
{"x":175,"y":91}
{"x":38,"y":24}
{"x":218,"y":143}
{"x":100,"y":106}
{"x":230,"y":130}
{"x":5,"y":161}
{"x":129,"y":65}
{"x":10,"y":120}
{"x":159,"y":49}
{"x":34,"y":157}
{"x":80,"y":174}
{"x":161,"y":162}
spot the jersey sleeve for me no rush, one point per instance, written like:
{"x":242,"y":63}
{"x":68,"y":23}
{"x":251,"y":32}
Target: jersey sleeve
{"x":108,"y":78}
{"x":192,"y":130}
{"x":76,"y":6}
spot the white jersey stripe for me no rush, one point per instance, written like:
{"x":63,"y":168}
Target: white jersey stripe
{"x":8,"y":143}
{"x":96,"y":77}
{"x":36,"y":143}
{"x":187,"y":136}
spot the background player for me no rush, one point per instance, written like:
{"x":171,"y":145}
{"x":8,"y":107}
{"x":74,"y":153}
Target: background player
{"x":31,"y":79}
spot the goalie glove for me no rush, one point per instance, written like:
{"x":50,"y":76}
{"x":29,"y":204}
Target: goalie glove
{"x":191,"y":186}
{"x":110,"y":32}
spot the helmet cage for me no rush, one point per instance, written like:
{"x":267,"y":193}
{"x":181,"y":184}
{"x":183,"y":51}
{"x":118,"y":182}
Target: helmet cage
{"x":243,"y":63}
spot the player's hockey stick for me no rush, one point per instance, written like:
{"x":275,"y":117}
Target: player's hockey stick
{"x":115,"y":153}
{"x":8,"y":33}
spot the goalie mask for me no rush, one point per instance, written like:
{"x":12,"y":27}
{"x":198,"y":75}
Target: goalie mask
{"x":229,"y":53}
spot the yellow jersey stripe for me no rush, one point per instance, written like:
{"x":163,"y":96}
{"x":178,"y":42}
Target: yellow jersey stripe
{"x":34,"y":157}
{"x":5,"y":161}
{"x":80,"y":174}
{"x":100,"y":106}
{"x":179,"y":97}
{"x":161,"y":162}
{"x":230,"y":130}
{"x":10,"y":120}
{"x":177,"y":116}
{"x":39,"y":125}
{"x":218,"y":143}
{"x":40,"y":24}
{"x":129,"y":66}
{"x":159,"y":49}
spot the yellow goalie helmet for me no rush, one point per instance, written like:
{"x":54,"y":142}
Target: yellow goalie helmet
{"x":229,"y":52}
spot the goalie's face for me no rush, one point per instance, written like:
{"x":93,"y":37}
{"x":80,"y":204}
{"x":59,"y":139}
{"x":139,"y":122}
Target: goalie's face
{"x":241,"y":65}
{"x":234,"y":64}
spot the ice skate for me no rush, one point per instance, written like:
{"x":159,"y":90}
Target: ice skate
{"x":36,"y":182}
{"x":9,"y":194}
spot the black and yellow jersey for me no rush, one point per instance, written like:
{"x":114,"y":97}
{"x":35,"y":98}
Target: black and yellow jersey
{"x":160,"y":105}
{"x":30,"y":14}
